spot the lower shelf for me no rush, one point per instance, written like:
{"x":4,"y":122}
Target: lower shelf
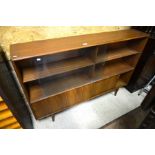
{"x":67,"y":99}
{"x":53,"y":87}
{"x":104,"y":71}
{"x":46,"y":88}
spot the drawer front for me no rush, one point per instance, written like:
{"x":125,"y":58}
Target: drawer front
{"x":49,"y":106}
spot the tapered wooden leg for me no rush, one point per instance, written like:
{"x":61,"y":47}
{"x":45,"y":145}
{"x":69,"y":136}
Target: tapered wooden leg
{"x":115,"y":93}
{"x":53,"y":118}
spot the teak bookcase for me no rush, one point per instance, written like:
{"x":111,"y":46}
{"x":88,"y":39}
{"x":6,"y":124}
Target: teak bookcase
{"x":56,"y":74}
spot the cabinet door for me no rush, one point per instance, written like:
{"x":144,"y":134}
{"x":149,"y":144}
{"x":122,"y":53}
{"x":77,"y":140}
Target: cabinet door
{"x":49,"y":106}
{"x":105,"y":85}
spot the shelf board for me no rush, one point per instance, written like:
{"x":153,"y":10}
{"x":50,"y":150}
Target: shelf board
{"x":49,"y":88}
{"x":50,"y":69}
{"x":115,"y":54}
{"x":109,"y":69}
{"x":22,"y":51}
{"x":56,"y":86}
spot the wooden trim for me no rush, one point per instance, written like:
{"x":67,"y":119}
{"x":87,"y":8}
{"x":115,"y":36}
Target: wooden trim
{"x":5,"y":114}
{"x":7,"y":122}
{"x":15,"y":125}
{"x":3,"y":106}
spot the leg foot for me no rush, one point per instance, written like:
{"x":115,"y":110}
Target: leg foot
{"x":53,"y":118}
{"x":115,"y":93}
{"x":139,"y":93}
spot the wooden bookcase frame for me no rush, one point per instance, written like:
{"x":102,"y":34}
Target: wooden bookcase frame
{"x":59,"y":73}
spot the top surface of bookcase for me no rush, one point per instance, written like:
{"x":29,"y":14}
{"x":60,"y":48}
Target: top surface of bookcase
{"x":27,"y":50}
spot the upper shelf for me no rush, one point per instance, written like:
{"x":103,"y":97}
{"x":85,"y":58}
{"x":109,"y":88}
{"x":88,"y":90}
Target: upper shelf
{"x":107,"y":70}
{"x":115,"y":54}
{"x":46,"y":47}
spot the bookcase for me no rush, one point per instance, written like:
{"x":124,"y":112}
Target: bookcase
{"x":56,"y":74}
